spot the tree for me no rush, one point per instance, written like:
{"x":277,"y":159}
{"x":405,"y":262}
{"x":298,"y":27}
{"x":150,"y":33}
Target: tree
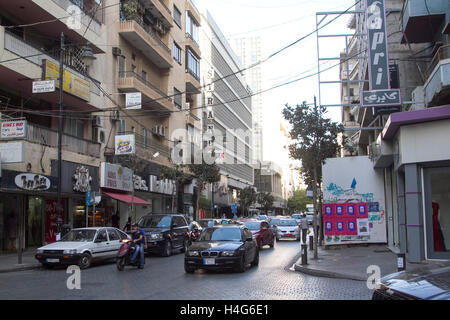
{"x":204,"y":173}
{"x":177,"y":174}
{"x":298,"y":201}
{"x":315,"y":139}
{"x":247,"y":197}
{"x":266,"y":200}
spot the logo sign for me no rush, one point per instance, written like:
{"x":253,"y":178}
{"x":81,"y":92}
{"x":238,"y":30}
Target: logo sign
{"x":32,"y":182}
{"x":165,"y":186}
{"x":133,"y":101}
{"x":125,"y":144}
{"x":380,"y":98}
{"x":82,"y":179}
{"x":13,"y":129}
{"x":113,"y":176}
{"x":378,"y":55}
{"x":139,"y":183}
{"x":43,"y":86}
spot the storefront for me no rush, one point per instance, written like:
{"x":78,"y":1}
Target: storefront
{"x":27,"y":210}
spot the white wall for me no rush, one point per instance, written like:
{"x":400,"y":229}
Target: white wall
{"x":338,"y":176}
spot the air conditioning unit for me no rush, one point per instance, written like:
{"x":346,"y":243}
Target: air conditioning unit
{"x":97,"y":121}
{"x":116,"y":51}
{"x":155,"y":129}
{"x":115,"y":115}
{"x":100,"y":135}
{"x":162,"y":131}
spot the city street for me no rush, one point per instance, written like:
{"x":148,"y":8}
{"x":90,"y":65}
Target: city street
{"x":165,"y":279}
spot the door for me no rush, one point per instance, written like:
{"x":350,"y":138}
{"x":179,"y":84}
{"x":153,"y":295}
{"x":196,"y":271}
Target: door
{"x":101,"y":245}
{"x":114,"y":242}
{"x":250,"y":246}
{"x":437,"y":212}
{"x":180,"y":230}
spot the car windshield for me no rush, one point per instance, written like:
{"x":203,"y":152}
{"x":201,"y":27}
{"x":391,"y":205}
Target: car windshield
{"x":296,"y":216}
{"x":79,"y":235}
{"x":206,"y":223}
{"x":290,"y":222}
{"x":155,"y":222}
{"x":275,"y":222}
{"x":221,"y":234}
{"x":253,"y":225}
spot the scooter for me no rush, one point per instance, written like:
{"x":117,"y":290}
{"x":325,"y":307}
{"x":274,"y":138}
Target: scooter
{"x":126,"y":251}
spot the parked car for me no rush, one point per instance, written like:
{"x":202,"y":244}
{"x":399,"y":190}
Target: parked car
{"x":429,"y":283}
{"x":81,"y":247}
{"x":298,"y":217}
{"x":205,"y":223}
{"x":287,"y":229}
{"x":262,"y":217}
{"x":310,"y":218}
{"x":222,"y":247}
{"x":262,"y":232}
{"x":165,"y":233}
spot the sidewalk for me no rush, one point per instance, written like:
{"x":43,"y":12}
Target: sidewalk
{"x":351,"y":262}
{"x":9,"y":262}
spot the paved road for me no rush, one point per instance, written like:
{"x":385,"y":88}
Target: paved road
{"x":165,"y":279}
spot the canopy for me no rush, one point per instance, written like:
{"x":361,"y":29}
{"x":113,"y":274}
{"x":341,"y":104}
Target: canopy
{"x":128,"y":199}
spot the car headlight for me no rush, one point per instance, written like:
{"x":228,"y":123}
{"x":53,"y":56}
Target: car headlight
{"x":156,"y":236}
{"x":193,"y":253}
{"x":228,"y":253}
{"x":70,"y":251}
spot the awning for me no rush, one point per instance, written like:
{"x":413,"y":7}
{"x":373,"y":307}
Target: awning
{"x":128,"y":199}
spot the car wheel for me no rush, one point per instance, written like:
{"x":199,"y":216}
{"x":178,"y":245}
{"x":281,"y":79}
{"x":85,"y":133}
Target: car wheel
{"x":85,"y":261}
{"x":256,"y":260}
{"x":167,"y":249}
{"x":120,"y":263}
{"x":241,"y":267}
{"x":188,"y":269}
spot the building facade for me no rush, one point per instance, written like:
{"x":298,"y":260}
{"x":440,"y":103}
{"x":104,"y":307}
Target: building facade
{"x":268,"y":179}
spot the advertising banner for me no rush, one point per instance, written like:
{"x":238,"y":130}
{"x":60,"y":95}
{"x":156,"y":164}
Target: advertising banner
{"x":14,"y":129}
{"x":51,"y":211}
{"x":125,"y":144}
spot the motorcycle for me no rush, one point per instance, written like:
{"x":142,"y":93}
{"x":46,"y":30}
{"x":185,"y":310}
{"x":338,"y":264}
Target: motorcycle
{"x":194,"y":234}
{"x":126,"y":251}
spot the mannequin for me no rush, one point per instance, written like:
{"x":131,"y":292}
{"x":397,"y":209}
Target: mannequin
{"x":439,"y":245}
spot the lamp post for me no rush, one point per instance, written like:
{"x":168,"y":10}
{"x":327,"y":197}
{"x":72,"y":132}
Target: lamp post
{"x":60,"y":125}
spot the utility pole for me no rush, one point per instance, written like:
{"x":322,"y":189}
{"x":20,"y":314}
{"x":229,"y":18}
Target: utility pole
{"x":60,"y":125}
{"x":315,"y":185}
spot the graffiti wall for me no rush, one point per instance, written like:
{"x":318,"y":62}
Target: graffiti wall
{"x":353,"y":202}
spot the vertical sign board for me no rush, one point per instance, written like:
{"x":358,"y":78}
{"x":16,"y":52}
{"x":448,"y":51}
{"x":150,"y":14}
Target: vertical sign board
{"x":51,"y":211}
{"x":380,"y":93}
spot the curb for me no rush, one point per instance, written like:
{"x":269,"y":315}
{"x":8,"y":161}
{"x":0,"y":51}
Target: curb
{"x":326,"y":274}
{"x":21,"y":268}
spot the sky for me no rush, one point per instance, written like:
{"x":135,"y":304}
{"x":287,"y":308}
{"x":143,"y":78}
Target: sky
{"x":279,"y":23}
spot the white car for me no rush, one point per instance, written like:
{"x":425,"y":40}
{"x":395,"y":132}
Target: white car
{"x":82,"y":246}
{"x":288,"y":229}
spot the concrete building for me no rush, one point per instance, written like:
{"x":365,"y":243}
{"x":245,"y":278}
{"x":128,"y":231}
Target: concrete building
{"x":249,"y":52}
{"x":268,"y":179}
{"x":409,"y":146}
{"x":228,"y":129}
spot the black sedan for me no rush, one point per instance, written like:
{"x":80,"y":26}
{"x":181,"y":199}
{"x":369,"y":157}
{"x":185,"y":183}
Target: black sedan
{"x":222,"y":247}
{"x":420,"y":284}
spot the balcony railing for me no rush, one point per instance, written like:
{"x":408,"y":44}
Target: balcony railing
{"x":442,"y":54}
{"x":152,"y":145}
{"x":49,"y":137}
{"x":165,"y":7}
{"x":132,"y":74}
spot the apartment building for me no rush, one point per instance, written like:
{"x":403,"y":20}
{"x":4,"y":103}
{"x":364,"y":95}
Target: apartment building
{"x":408,"y":144}
{"x":269,"y":179}
{"x":30,"y":50}
{"x":154,"y":49}
{"x":228,"y":128}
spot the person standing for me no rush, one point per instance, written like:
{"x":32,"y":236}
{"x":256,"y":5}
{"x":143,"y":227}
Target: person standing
{"x":304,"y":226}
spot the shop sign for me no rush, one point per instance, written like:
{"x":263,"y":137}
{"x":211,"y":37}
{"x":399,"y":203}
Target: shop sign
{"x":43,"y":86}
{"x":13,"y":129}
{"x":81,"y":179}
{"x":72,"y":83}
{"x":51,"y":212}
{"x":381,"y":98}
{"x":133,"y":101}
{"x":125,"y":144}
{"x":113,"y":176}
{"x":32,"y":182}
{"x":165,"y":186}
{"x":139,"y":183}
{"x":12,"y":152}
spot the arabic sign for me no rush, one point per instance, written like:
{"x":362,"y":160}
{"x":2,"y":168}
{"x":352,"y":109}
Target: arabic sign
{"x":125,"y":144}
{"x":379,"y":98}
{"x":133,"y":101}
{"x":72,"y":83}
{"x":378,"y":55}
{"x":113,"y":176}
{"x":43,"y":86}
{"x":13,"y":129}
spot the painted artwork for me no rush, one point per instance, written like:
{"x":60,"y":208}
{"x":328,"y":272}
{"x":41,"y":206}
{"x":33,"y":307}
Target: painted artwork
{"x":353,"y":206}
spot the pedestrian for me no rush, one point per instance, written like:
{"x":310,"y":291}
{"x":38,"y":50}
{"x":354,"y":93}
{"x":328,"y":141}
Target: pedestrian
{"x":138,"y":236}
{"x":304,"y":225}
{"x":127,"y":227}
{"x":115,"y":220}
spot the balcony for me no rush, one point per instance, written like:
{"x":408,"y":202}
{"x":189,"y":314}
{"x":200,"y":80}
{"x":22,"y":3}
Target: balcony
{"x":192,"y":119}
{"x":146,"y":147}
{"x":36,"y":134}
{"x":437,"y":85}
{"x":192,"y":82}
{"x":152,"y":97}
{"x":193,"y":45}
{"x":421,"y":20}
{"x":144,"y":39}
{"x":192,"y":10}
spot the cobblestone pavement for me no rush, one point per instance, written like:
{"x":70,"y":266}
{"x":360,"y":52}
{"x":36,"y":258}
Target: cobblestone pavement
{"x":165,"y":279}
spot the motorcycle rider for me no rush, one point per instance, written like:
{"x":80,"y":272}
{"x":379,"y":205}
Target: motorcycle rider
{"x":139,"y":239}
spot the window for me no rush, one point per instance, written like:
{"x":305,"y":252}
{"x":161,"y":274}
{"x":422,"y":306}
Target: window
{"x":133,"y":68}
{"x":177,"y":16}
{"x":144,"y":137}
{"x":192,"y":28}
{"x":177,"y":99}
{"x":121,"y":66}
{"x":101,"y":236}
{"x":74,"y":127}
{"x":193,"y":64}
{"x":121,"y":126}
{"x":113,"y":236}
{"x":144,"y":76}
{"x":176,"y":53}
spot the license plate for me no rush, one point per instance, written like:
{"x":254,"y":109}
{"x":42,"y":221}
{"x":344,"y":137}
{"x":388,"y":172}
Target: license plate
{"x":52,"y":260}
{"x":288,"y":234}
{"x":209,"y":261}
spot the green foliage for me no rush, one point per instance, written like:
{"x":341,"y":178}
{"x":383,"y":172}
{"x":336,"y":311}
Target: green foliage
{"x":298,"y":201}
{"x":266,"y":201}
{"x":247,"y":197}
{"x":204,"y":203}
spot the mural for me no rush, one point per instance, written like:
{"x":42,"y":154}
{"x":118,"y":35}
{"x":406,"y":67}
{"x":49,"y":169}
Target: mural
{"x":353,"y":206}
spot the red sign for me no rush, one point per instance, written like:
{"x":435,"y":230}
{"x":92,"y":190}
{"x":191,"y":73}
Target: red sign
{"x":51,"y":211}
{"x":341,"y":218}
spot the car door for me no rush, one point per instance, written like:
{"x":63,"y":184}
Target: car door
{"x":114,"y":242}
{"x":267,"y":233}
{"x":101,"y":245}
{"x":180,"y":230}
{"x":249,"y":246}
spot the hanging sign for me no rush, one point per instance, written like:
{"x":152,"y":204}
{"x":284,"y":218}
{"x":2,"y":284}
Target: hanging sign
{"x":133,"y":101}
{"x":13,"y":129}
{"x":125,"y":144}
{"x":44,"y":86}
{"x":32,"y":182}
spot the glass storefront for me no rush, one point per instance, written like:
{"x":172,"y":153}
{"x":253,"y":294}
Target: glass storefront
{"x":437,"y":191}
